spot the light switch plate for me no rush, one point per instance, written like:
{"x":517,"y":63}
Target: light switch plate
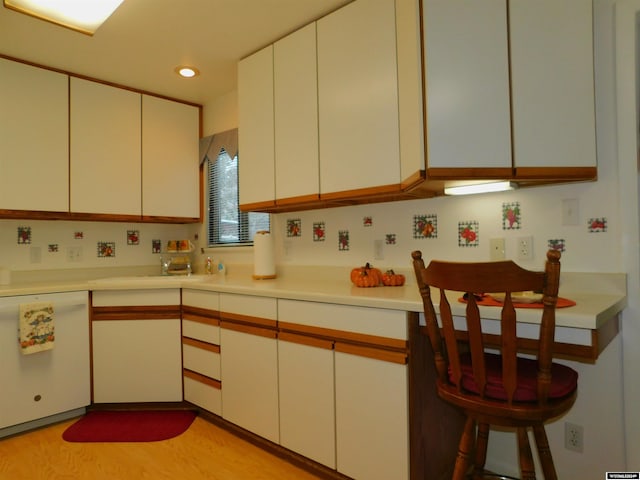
{"x":496,"y":249}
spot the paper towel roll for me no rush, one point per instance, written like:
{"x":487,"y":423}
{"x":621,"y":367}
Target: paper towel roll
{"x":264,"y":265}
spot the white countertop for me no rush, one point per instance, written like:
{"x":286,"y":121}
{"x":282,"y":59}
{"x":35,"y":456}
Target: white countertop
{"x":598,"y":297}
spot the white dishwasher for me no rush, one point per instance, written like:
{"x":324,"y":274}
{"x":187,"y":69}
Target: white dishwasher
{"x":49,"y":382}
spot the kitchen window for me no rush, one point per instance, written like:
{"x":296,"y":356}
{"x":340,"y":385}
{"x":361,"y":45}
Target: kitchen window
{"x":227,"y":224}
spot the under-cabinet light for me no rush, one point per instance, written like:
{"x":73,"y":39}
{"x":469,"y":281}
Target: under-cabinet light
{"x":480,"y":188}
{"x":83,"y":16}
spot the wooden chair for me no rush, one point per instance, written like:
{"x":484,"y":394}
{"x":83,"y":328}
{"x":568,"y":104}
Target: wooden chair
{"x":482,"y":374}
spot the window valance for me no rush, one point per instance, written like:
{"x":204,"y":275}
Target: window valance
{"x":210,"y":146}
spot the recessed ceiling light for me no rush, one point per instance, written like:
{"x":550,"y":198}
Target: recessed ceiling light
{"x":83,"y":16}
{"x":187,"y":72}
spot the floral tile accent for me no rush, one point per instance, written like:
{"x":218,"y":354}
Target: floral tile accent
{"x":343,"y":240}
{"x":556,"y":244}
{"x":106,"y":249}
{"x":156,"y":246}
{"x":390,"y":239}
{"x":78,"y":235}
{"x":133,"y":237}
{"x":425,"y":226}
{"x":468,"y":234}
{"x":367,"y":221}
{"x":511,"y":219}
{"x":53,"y":248}
{"x":319,"y":231}
{"x":294,"y":227}
{"x":24,"y":235}
{"x":597,"y":225}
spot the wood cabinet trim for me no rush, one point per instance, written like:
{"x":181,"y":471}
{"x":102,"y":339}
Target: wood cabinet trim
{"x":250,"y":329}
{"x":401,"y":358}
{"x":305,"y":340}
{"x":472,"y":173}
{"x":202,"y":379}
{"x":343,"y":336}
{"x":201,"y":315}
{"x":556,"y":173}
{"x":229,"y":317}
{"x":210,"y":347}
{"x":136,"y":312}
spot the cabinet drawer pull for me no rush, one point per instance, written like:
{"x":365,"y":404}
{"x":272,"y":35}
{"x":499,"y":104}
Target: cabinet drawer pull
{"x":200,"y":344}
{"x":375,"y":353}
{"x":202,"y":379}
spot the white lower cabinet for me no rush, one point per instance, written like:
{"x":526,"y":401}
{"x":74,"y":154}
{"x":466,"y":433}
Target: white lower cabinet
{"x":344,"y":387}
{"x":249,"y":363}
{"x":136,"y":352}
{"x":307,"y":409}
{"x":372,"y":422}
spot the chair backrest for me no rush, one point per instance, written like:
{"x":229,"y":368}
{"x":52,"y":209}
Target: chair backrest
{"x":503,"y":277}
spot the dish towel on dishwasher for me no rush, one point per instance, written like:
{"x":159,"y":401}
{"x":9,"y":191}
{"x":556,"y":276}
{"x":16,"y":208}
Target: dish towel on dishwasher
{"x":36,"y":327}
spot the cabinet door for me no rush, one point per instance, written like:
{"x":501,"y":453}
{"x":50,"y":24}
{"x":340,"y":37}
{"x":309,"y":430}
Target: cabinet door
{"x":553,"y":83}
{"x":467,"y":86}
{"x":256,"y":168}
{"x":137,"y":361}
{"x":170,"y":159}
{"x":307,"y":409}
{"x":296,"y":116}
{"x":372,"y":432}
{"x":34,"y":138}
{"x":358,"y":98}
{"x":249,"y":364}
{"x":105,"y":149}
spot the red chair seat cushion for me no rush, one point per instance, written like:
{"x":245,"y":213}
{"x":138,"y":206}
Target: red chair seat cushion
{"x":564,"y":380}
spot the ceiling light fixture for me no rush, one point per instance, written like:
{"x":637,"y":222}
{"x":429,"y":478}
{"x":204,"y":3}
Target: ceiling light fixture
{"x":485,"y":187}
{"x":187,"y":72}
{"x":83,"y":16}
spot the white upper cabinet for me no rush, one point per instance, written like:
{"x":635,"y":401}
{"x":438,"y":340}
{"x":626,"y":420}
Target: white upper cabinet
{"x":256,"y":167}
{"x":34,"y":136}
{"x":170,"y":169}
{"x":296,"y":116}
{"x":510,"y":88}
{"x":105,"y":149}
{"x":358,"y":97}
{"x":552,"y":76}
{"x":467,"y":84}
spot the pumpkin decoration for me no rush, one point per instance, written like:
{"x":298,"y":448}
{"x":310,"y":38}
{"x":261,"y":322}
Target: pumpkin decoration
{"x":392,"y":279}
{"x":366,"y":276}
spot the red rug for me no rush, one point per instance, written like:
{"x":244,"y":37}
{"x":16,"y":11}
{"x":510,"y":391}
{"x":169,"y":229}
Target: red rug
{"x":129,"y":426}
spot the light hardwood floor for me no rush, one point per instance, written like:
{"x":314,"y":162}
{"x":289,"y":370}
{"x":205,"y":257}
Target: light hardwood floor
{"x":204,"y":451}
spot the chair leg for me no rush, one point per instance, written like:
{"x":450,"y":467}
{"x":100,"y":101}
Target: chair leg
{"x":482,"y":440}
{"x":544,"y":453}
{"x":465,"y":447}
{"x":527,"y":468}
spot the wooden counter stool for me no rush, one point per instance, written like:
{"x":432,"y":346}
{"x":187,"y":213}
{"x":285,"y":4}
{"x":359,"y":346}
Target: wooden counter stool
{"x":481,"y":373}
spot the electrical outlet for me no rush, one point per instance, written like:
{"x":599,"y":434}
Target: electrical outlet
{"x":496,"y":249}
{"x":378,"y":250}
{"x":573,"y":437}
{"x":525,"y":248}
{"x":35,"y":254}
{"x":74,"y":254}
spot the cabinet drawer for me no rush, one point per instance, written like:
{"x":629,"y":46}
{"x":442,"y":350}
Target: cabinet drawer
{"x":203,"y":392}
{"x":201,"y":299}
{"x":346,"y":318}
{"x":261,"y":307}
{"x":201,"y":331}
{"x":201,"y":358}
{"x":125,"y":298}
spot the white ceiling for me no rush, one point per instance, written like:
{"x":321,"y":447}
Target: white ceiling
{"x":144,"y":40}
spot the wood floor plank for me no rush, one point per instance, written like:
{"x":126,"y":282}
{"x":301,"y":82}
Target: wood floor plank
{"x":204,"y":451}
